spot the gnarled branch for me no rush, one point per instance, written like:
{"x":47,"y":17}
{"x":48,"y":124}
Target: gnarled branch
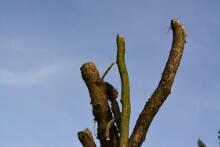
{"x":99,"y":94}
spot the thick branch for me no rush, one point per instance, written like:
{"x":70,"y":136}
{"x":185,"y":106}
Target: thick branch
{"x":86,"y":139}
{"x":99,"y":94}
{"x":163,"y":90}
{"x":125,"y":94}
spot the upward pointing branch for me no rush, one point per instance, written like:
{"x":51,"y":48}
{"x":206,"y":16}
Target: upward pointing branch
{"x":125,"y":94}
{"x":163,"y":89}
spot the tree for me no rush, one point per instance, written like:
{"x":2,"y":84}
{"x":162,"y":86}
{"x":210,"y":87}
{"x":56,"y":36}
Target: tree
{"x":113,"y":124}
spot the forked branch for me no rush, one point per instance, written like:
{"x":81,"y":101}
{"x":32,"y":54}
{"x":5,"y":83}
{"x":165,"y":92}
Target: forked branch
{"x":102,"y":92}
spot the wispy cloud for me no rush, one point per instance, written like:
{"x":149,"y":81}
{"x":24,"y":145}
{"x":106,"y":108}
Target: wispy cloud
{"x":34,"y":76}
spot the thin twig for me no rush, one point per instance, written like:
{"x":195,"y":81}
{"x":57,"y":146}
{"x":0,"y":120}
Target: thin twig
{"x":107,"y":70}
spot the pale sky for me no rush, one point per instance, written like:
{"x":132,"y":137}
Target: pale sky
{"x":43,"y":43}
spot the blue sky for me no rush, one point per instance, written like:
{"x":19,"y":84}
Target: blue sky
{"x":43,"y":43}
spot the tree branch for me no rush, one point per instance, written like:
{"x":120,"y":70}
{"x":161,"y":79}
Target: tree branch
{"x":86,"y":139}
{"x":116,"y":112}
{"x":99,"y":94}
{"x":125,"y":94}
{"x":163,"y":90}
{"x":106,"y":72}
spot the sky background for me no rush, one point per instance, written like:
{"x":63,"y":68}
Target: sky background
{"x":43,"y":43}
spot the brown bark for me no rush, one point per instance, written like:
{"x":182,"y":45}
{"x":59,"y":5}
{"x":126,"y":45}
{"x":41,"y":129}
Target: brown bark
{"x":99,"y":94}
{"x":102,"y":92}
{"x":160,"y":94}
{"x":86,"y":139}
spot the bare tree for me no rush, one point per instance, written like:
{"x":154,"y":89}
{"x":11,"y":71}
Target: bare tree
{"x":113,"y":123}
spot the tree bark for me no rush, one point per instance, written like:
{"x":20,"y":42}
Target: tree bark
{"x":99,"y":94}
{"x":86,"y":139}
{"x":162,"y":91}
{"x":111,"y":121}
{"x":125,"y":93}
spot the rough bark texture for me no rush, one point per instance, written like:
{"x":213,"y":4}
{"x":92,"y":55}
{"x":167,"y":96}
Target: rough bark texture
{"x":99,"y":94}
{"x":163,"y":90}
{"x":125,"y":93}
{"x":86,"y":138}
{"x":102,"y":92}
